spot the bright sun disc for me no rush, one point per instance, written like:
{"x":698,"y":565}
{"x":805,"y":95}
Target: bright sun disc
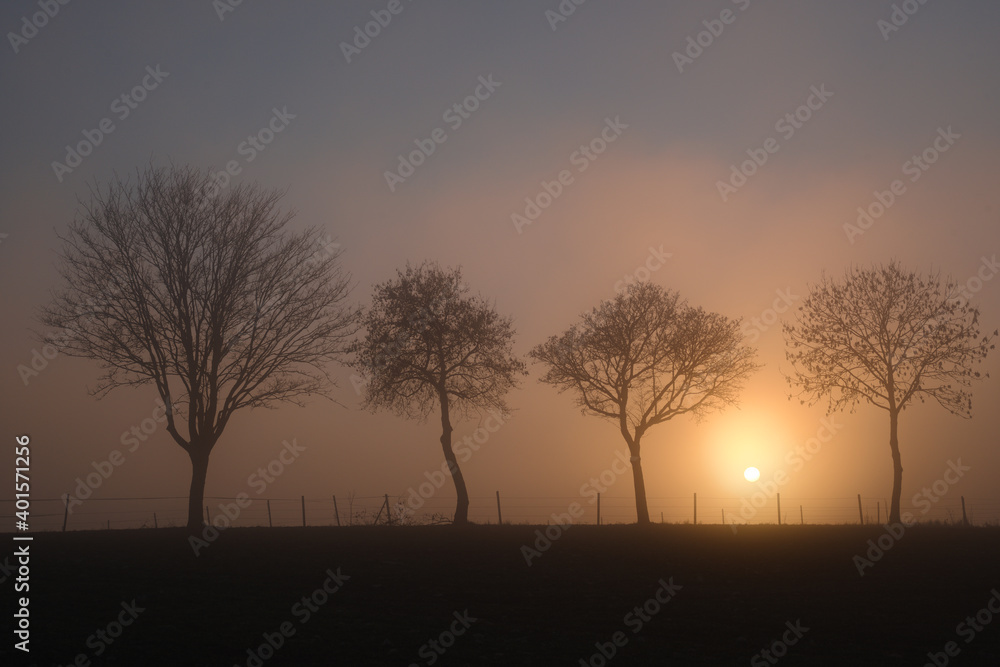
{"x":751,"y":474}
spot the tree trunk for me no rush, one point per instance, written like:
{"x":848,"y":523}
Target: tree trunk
{"x":641,"y":508}
{"x":462,"y":506}
{"x":897,"y":467}
{"x":196,"y":499}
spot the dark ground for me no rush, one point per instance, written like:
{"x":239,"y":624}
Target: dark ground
{"x":739,"y":590}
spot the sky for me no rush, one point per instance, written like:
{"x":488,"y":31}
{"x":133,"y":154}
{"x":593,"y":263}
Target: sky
{"x":651,"y":112}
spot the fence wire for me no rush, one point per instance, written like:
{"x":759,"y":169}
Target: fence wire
{"x":49,"y":514}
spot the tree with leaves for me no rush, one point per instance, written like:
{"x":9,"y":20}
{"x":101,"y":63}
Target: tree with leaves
{"x":209,"y":297}
{"x":429,"y":343}
{"x":645,"y":357}
{"x":888,"y":337}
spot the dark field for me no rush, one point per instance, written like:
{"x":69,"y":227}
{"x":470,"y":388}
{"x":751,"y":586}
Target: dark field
{"x":408,"y":585}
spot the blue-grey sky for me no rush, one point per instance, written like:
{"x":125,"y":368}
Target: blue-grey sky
{"x":888,"y":95}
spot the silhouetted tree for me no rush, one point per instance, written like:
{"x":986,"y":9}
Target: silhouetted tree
{"x":886,"y":336}
{"x":645,"y":357}
{"x":428,"y":343}
{"x":208,"y":298}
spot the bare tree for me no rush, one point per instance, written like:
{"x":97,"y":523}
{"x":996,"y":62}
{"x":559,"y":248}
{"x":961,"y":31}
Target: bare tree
{"x":886,"y":336}
{"x":428,"y":343}
{"x":645,"y":357}
{"x":209,"y":299}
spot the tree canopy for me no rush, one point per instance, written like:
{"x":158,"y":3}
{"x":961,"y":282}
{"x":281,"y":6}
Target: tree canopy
{"x":645,"y":357}
{"x":886,"y":336}
{"x":212,"y":300}
{"x":429,"y":343}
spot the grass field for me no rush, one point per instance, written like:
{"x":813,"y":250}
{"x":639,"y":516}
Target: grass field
{"x":724,"y":597}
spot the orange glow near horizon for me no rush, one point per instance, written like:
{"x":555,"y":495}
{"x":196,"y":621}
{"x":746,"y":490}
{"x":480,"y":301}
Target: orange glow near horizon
{"x":740,"y":439}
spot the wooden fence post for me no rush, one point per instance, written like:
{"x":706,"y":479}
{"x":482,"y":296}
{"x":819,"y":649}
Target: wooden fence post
{"x":336,"y":512}
{"x":861,"y":515}
{"x":154,"y":520}
{"x":878,"y":512}
{"x":598,"y":508}
{"x":270,"y":524}
{"x":303,"y":511}
{"x":65,"y":515}
{"x":802,"y":519}
{"x":965,"y":519}
{"x":388,"y":510}
{"x":499,"y":514}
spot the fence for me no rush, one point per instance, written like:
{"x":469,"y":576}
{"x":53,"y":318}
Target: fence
{"x":52,"y":514}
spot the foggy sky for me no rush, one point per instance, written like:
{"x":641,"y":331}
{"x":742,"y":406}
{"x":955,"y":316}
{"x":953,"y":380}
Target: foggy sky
{"x":889,"y":96}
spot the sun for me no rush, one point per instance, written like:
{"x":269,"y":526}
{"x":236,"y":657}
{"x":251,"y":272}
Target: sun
{"x":751,"y":474}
